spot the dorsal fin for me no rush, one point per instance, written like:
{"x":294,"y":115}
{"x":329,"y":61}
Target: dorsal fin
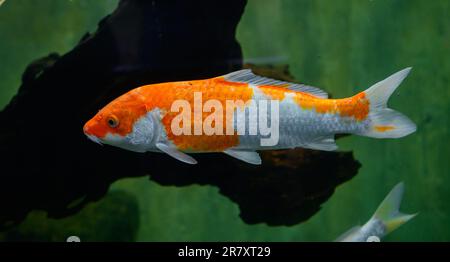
{"x":247,"y":76}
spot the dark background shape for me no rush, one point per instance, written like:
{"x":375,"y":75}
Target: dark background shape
{"x":48,"y":164}
{"x":114,"y":218}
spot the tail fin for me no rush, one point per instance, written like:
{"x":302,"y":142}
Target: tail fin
{"x":388,"y":211}
{"x":385,"y":122}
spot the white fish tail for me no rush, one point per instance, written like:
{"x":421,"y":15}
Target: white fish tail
{"x":385,"y":122}
{"x":388,"y":211}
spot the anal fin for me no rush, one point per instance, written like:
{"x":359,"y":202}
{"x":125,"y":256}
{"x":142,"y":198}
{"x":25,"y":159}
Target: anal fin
{"x":325,"y":143}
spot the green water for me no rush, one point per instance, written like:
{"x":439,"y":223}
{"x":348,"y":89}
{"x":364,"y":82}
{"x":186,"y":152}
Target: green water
{"x":341,"y":46}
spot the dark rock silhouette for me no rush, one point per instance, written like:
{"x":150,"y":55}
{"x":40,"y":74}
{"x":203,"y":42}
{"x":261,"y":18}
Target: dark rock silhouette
{"x":286,"y":189}
{"x":48,"y":164}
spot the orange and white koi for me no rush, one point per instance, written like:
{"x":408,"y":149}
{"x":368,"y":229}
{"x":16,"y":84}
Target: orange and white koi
{"x":142,"y":119}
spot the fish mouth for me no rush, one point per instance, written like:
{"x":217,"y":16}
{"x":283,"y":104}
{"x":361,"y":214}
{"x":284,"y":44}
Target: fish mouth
{"x":94,"y":139}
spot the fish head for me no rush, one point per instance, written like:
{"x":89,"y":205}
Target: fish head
{"x":123,"y":123}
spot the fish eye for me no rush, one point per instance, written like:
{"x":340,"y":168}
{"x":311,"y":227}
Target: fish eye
{"x":113,"y":122}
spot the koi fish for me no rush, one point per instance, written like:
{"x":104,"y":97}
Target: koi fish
{"x":142,"y":119}
{"x":386,"y":219}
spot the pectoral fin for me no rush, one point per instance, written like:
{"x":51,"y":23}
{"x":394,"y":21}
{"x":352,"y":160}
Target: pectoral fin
{"x":250,"y":157}
{"x":175,"y":153}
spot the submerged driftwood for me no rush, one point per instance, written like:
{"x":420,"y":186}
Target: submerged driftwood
{"x":49,"y":164}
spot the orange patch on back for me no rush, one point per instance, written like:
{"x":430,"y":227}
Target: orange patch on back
{"x":356,"y":106}
{"x":383,"y":128}
{"x":274,"y":92}
{"x":163,"y":95}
